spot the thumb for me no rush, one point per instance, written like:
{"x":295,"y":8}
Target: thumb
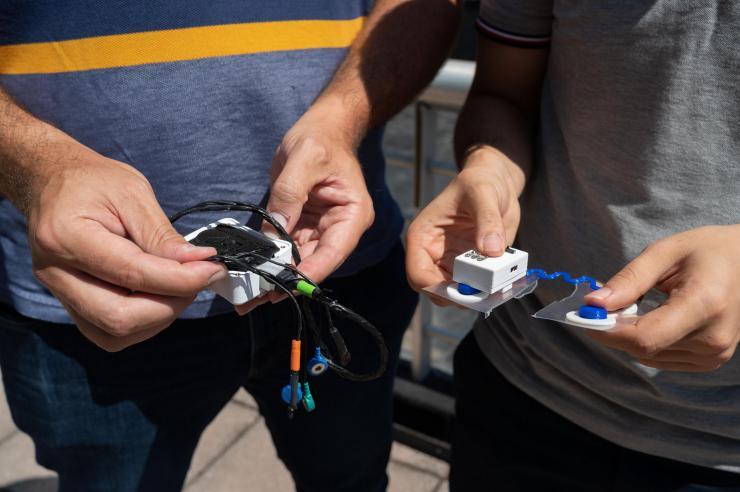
{"x":489,"y":226}
{"x":288,"y":194}
{"x":635,"y":279}
{"x":152,"y":232}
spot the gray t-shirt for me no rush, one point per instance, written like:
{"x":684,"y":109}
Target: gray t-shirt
{"x":639,"y":139}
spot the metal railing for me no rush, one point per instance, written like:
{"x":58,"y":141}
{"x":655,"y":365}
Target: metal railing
{"x":446,"y":93}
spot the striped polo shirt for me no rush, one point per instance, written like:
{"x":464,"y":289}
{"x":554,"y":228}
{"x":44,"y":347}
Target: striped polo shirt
{"x":195,"y":94}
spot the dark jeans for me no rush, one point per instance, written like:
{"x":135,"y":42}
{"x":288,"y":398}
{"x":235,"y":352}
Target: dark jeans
{"x":131,"y":420}
{"x":507,"y":441}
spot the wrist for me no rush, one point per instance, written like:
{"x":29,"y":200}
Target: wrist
{"x":40,"y":158}
{"x":31,"y":151}
{"x":490,"y":160}
{"x":341,"y":116}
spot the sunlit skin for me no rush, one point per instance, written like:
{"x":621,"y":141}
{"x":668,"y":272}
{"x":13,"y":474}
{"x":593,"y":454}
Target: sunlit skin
{"x":696,"y":329}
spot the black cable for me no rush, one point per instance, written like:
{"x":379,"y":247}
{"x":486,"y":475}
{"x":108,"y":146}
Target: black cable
{"x":312,"y":325}
{"x":370,"y":329}
{"x":291,"y":268}
{"x":244,"y":266}
{"x":225,"y":205}
{"x":238,"y":262}
{"x":342,"y":351}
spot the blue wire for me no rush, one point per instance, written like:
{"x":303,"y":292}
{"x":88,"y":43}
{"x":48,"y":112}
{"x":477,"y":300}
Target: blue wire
{"x":565,"y":276}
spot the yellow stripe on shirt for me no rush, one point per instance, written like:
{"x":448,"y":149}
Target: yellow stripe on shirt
{"x":172,"y":45}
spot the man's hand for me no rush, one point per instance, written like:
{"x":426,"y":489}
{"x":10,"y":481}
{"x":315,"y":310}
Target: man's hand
{"x":317,"y":183}
{"x":479,"y":208}
{"x":698,"y":327}
{"x":319,"y":193}
{"x":494,"y":139}
{"x":102,"y":245}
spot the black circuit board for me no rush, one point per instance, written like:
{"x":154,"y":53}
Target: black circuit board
{"x":230,"y":240}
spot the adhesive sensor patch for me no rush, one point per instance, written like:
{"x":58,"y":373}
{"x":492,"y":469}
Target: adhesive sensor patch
{"x":459,"y":295}
{"x":585,"y":319}
{"x":480,"y":301}
{"x":574,"y":311}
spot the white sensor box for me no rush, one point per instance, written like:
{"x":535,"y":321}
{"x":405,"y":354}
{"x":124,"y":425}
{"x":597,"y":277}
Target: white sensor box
{"x":241,"y":287}
{"x":490,"y":274}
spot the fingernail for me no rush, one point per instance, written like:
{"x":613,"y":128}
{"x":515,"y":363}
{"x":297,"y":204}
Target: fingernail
{"x":191,"y":248}
{"x":219,"y":275}
{"x":600,"y":294}
{"x":493,"y":242}
{"x":280,"y":218}
{"x":188,"y":248}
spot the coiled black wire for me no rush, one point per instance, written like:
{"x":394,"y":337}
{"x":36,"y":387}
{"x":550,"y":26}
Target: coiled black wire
{"x":226,"y":205}
{"x":240,"y":262}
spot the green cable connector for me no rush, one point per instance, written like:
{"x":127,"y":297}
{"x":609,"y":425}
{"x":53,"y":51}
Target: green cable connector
{"x":308,"y":402}
{"x":305,"y":288}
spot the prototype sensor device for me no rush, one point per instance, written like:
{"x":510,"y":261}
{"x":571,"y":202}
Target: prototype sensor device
{"x":258,"y":264}
{"x":483,"y":283}
{"x":229,"y":237}
{"x":475,"y":272}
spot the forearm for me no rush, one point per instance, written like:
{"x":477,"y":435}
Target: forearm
{"x":492,"y":130}
{"x":498,"y":122}
{"x":393,"y":58}
{"x":27,"y":147}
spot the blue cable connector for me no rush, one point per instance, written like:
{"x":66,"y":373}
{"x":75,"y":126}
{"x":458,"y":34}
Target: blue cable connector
{"x":540,"y":273}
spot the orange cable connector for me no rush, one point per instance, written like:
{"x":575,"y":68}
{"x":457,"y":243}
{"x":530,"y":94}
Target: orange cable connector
{"x":295,"y":355}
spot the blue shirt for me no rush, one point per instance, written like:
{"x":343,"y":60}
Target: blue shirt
{"x":195,"y":94}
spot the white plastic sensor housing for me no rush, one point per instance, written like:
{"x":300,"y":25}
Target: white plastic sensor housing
{"x":490,"y":274}
{"x":241,"y":287}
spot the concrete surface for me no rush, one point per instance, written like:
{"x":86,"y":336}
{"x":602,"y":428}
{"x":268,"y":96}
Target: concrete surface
{"x":235,"y":454}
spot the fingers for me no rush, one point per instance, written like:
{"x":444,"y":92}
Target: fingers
{"x":489,"y":226}
{"x":103,"y":339}
{"x":673,"y":366}
{"x":681,"y":315}
{"x":149,"y":228}
{"x":441,"y":301}
{"x":334,"y":245}
{"x":422,"y":268}
{"x":327,"y":236}
{"x":325,"y":259}
{"x":249,"y":306}
{"x":339,"y":209}
{"x":705,"y":362}
{"x":108,"y":313}
{"x":705,"y":349}
{"x":422,"y":272}
{"x":289,"y":191}
{"x":693,"y":330}
{"x":687,"y":361}
{"x":272,"y":297}
{"x":119,"y":261}
{"x":639,"y":276}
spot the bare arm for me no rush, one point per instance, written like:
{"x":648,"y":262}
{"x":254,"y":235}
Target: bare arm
{"x":498,"y":121}
{"x":26,"y":145}
{"x":98,"y":238}
{"x":494,"y":144}
{"x":317,"y":182}
{"x":396,"y":55}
